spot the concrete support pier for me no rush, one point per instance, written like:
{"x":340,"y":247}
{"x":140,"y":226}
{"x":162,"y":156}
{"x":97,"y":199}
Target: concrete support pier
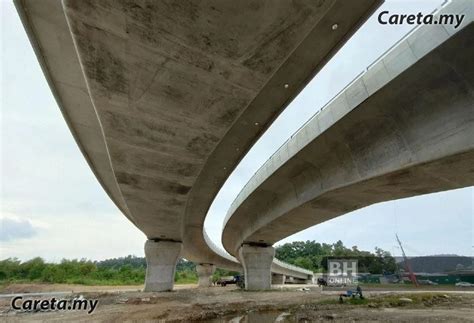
{"x":161,"y":259}
{"x":205,"y":272}
{"x":278,"y":279}
{"x":257,"y":262}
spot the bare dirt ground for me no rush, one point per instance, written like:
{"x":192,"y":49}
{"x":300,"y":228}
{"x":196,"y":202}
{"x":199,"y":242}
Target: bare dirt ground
{"x":48,"y":288}
{"x":217,"y":304}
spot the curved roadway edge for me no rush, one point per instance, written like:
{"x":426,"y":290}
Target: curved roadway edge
{"x":49,"y":32}
{"x":403,"y":128}
{"x":306,"y":60}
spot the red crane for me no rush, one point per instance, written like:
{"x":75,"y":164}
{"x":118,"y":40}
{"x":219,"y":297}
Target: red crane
{"x":411,"y":275}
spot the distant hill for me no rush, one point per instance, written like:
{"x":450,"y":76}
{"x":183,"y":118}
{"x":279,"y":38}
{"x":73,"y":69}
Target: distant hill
{"x":437,"y":264}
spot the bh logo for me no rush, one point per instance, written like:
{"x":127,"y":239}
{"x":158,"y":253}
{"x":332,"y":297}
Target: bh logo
{"x":342,"y":271}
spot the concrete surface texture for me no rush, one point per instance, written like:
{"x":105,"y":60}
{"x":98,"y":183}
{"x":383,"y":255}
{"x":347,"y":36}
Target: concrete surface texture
{"x":205,"y":272}
{"x":165,"y":97}
{"x":278,"y":279}
{"x":161,"y":258}
{"x":257,"y":262}
{"x":404,"y":128}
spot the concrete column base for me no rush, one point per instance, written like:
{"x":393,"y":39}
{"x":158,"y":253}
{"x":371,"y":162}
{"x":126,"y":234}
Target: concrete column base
{"x":257,"y":262}
{"x":205,"y":272}
{"x":161,"y":259}
{"x":278,"y":279}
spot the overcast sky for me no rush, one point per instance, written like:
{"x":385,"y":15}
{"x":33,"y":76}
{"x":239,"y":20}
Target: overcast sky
{"x":52,"y":206}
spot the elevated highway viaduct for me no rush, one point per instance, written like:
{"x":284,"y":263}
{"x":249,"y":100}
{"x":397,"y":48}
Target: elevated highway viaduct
{"x":164,"y":98}
{"x":403,"y":128}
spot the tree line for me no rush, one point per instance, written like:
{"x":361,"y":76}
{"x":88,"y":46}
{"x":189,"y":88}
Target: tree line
{"x":130,"y":270}
{"x":313,"y":255}
{"x":71,"y":271}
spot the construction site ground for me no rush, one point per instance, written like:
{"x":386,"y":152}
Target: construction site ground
{"x":288,"y":303}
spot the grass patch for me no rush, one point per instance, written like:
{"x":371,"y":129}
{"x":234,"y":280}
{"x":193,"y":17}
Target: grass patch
{"x":187,"y":280}
{"x":74,"y":281}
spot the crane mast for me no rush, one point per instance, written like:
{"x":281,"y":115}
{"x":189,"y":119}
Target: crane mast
{"x":411,"y":275}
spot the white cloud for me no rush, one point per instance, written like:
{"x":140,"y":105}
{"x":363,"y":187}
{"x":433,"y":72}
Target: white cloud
{"x":76,"y":236}
{"x":15,"y":228}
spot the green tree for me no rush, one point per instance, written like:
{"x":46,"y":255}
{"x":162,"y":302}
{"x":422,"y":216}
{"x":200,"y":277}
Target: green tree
{"x":33,"y":269}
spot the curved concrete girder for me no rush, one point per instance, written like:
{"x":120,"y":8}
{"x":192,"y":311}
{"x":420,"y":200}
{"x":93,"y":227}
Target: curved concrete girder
{"x":413,"y":135}
{"x":160,"y":94}
{"x":283,"y":268}
{"x":49,"y":35}
{"x":305,"y":61}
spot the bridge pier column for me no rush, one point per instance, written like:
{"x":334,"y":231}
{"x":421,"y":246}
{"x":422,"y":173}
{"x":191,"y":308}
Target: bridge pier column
{"x":161,"y":259}
{"x":278,"y":279}
{"x":205,"y":272}
{"x":257,"y":262}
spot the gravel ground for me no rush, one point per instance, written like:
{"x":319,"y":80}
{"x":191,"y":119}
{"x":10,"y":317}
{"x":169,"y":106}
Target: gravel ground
{"x":217,"y":304}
